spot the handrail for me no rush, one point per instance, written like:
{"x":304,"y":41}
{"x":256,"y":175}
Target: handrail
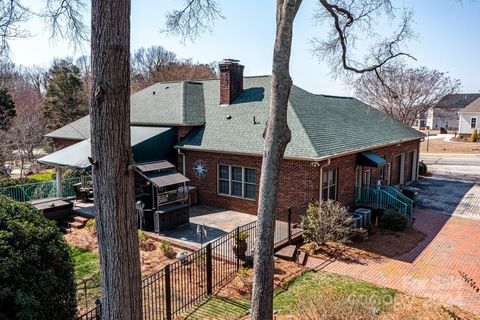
{"x":381,"y":198}
{"x":40,"y":190}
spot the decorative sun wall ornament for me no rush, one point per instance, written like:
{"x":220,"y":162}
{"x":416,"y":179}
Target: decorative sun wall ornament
{"x":200,"y":169}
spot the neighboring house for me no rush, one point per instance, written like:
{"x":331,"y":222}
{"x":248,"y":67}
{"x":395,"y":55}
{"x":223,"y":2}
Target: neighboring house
{"x":469,"y":118}
{"x":337,"y":143}
{"x":444,"y":115}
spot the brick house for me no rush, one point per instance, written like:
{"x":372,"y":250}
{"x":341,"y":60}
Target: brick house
{"x":337,"y":144}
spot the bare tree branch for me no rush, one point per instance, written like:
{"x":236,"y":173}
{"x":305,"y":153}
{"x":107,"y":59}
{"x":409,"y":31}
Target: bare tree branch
{"x":403,"y":92}
{"x":12,"y":15}
{"x":65,"y":19}
{"x":351,"y":18}
{"x":196,"y":17}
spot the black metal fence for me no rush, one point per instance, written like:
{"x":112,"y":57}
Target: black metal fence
{"x":177,"y":287}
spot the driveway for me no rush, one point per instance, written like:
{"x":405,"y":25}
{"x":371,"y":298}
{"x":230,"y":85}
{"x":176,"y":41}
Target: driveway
{"x":448,"y":212}
{"x":432,"y":269}
{"x":452,"y":189}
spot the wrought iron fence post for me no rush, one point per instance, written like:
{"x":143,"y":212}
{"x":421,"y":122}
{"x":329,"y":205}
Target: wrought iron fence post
{"x":289,"y":215}
{"x":237,"y":240}
{"x":209,"y":269}
{"x":168,"y":294}
{"x":98,"y":313}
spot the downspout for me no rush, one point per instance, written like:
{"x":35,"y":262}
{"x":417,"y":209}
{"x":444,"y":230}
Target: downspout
{"x":183,"y":160}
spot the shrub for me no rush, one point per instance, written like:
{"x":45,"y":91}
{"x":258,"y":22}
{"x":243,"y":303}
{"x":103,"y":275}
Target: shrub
{"x":73,"y":173}
{"x":326,"y":221}
{"x":167,"y":249}
{"x":474,"y":136}
{"x":241,"y":235}
{"x":142,"y":237}
{"x":36,"y":270}
{"x":422,"y":168}
{"x":144,"y":243}
{"x":394,"y":221}
{"x":91,"y":226}
{"x":7,"y":182}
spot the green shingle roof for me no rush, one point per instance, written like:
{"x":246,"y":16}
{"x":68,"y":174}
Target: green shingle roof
{"x":321,"y":125}
{"x":76,"y":155}
{"x":166,"y":104}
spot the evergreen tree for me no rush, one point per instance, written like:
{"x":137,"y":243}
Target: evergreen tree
{"x":7,"y":109}
{"x":64,"y":100}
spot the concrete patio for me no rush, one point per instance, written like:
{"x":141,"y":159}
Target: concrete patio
{"x":216,"y":222}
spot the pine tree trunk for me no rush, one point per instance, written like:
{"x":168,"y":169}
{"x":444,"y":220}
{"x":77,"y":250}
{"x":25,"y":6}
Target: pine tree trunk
{"x":112,"y":159}
{"x":277,"y":136}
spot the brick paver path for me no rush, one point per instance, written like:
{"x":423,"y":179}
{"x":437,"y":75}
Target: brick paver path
{"x":432,"y":268}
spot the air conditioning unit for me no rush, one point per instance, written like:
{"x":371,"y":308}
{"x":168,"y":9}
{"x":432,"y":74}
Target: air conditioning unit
{"x":366,"y":216}
{"x":357,"y":220}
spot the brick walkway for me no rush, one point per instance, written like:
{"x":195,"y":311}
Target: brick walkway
{"x":430,"y":270}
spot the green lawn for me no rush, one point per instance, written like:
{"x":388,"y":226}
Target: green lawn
{"x":87,"y":276}
{"x":46,"y":176}
{"x":308,"y":284}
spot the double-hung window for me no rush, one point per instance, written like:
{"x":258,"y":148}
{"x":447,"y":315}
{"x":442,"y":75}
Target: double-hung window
{"x":473,"y":122}
{"x":236,"y":181}
{"x":329,"y":185}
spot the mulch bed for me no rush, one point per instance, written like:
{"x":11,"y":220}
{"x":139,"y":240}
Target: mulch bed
{"x":151,"y":259}
{"x":241,"y":286}
{"x":380,"y":244}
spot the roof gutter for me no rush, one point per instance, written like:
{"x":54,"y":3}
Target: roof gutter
{"x":333,"y":156}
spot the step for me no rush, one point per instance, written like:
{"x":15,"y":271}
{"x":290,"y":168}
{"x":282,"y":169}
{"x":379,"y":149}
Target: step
{"x":288,"y":253}
{"x":75,"y":224}
{"x":80,"y":219}
{"x":302,"y":258}
{"x":64,"y":229}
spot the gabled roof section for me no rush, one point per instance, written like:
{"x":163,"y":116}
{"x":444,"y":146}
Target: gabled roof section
{"x":321,"y":125}
{"x":169,"y":103}
{"x":457,"y":100}
{"x":162,"y":104}
{"x":77,"y":130}
{"x":472,"y":107}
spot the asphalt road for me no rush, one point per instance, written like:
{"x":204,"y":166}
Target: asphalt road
{"x":460,"y":161}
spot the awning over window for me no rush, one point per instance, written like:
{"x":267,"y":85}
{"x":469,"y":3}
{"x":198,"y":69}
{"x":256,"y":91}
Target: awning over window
{"x":370,"y":159}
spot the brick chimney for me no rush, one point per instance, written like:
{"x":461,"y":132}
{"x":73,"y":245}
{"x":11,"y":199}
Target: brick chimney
{"x":231,"y":80}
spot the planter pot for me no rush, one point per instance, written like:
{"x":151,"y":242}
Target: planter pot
{"x":240,"y":248}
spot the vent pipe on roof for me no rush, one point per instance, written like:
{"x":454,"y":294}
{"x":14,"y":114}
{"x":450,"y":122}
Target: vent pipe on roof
{"x":231,"y":80}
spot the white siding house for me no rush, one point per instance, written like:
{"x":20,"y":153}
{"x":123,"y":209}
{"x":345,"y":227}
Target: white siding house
{"x":469,"y":118}
{"x":445,"y":114}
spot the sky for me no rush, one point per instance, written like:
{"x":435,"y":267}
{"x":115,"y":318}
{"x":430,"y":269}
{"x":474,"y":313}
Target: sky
{"x":448,"y":39}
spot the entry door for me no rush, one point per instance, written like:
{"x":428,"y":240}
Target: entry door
{"x":358,"y":182}
{"x":367,"y":177}
{"x":388,"y":174}
{"x":396,"y":169}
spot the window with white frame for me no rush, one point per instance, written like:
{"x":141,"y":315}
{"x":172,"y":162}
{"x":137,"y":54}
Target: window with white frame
{"x":236,"y":181}
{"x":473,"y":122}
{"x":329,"y":185}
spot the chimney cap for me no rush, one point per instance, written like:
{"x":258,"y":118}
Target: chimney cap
{"x":230,"y":61}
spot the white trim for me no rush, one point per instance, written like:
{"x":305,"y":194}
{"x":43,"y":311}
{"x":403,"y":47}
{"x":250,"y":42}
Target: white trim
{"x":476,"y":122}
{"x":230,"y":180}
{"x":333,"y":156}
{"x":414,"y":165}
{"x":402,"y":168}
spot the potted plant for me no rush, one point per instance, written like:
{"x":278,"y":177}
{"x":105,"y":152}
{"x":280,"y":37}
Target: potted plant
{"x":240,"y":243}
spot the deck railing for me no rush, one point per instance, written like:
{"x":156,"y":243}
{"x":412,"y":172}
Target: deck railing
{"x":380,"y":198}
{"x":40,"y":190}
